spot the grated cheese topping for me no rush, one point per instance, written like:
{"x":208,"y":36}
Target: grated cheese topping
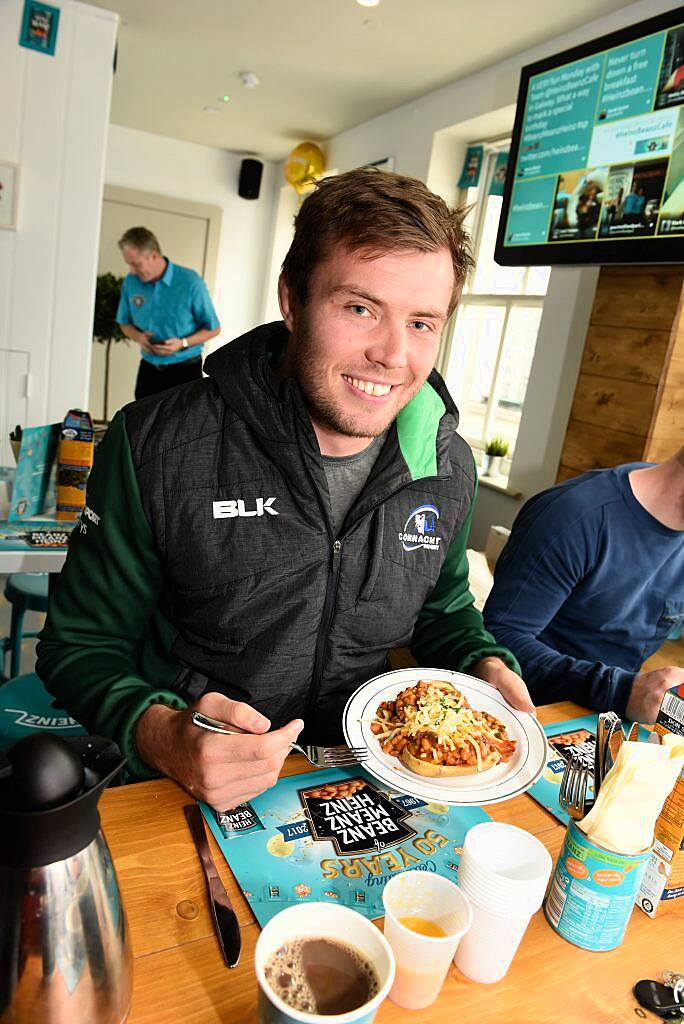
{"x":442,"y":711}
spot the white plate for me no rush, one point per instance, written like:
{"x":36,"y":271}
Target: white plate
{"x":501,"y":782}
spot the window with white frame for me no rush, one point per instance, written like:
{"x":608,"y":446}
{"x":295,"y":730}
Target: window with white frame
{"x":494,"y":332}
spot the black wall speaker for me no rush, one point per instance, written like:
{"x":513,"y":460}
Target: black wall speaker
{"x":250,"y":178}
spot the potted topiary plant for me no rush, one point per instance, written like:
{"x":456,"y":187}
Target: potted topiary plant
{"x":496,"y":450}
{"x":105,"y":328}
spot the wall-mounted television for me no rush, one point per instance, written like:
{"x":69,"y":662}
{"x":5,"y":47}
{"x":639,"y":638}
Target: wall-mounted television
{"x":596,"y":168}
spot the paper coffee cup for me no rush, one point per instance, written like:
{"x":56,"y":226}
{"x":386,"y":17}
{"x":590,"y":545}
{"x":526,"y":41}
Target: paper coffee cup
{"x":321,"y":921}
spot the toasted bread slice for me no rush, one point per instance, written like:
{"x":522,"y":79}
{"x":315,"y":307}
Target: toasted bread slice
{"x":433,"y":770}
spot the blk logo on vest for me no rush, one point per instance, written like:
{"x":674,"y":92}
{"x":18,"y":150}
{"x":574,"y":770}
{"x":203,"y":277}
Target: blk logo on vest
{"x":233,"y":509}
{"x":420,"y":529}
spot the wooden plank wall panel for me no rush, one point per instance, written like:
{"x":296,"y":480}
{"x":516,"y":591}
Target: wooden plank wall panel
{"x":643,"y":297}
{"x":666,"y":433}
{"x":610,"y":404}
{"x":566,"y":473}
{"x":625,"y":353}
{"x":587,"y":448}
{"x":629,"y":398}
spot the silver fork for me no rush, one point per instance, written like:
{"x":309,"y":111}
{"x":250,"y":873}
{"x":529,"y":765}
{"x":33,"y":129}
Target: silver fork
{"x":606,"y":722}
{"x":574,"y":784}
{"x":319,"y":757}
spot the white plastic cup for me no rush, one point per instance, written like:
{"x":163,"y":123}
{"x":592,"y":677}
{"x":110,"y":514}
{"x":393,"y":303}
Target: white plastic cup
{"x":422,"y":960}
{"x":504,"y":872}
{"x":487,"y":951}
{"x":321,"y":920}
{"x":505,"y":866}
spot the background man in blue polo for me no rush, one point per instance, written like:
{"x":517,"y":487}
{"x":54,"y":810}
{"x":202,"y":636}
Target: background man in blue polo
{"x":167,"y":310}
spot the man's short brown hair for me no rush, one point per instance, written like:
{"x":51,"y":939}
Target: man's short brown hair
{"x":378,"y":213}
{"x":140,"y":238}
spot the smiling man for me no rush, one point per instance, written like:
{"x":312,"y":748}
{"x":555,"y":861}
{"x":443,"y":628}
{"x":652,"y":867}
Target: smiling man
{"x":265,"y":536}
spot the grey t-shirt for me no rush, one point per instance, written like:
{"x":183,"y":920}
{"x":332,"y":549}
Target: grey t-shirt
{"x":346,"y":476}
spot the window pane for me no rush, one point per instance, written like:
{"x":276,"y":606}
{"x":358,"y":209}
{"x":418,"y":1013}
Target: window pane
{"x":472,"y":361}
{"x":490,"y":278}
{"x":514,"y":372}
{"x":537,"y":280}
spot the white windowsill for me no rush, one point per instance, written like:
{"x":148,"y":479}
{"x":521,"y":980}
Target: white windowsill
{"x":498,"y":483}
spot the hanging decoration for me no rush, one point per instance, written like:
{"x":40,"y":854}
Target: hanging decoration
{"x":305,"y":163}
{"x":496,"y":186}
{"x":472,"y":166}
{"x":39,"y":27}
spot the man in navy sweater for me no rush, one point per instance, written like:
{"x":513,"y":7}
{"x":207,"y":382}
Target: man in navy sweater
{"x":591,"y":583}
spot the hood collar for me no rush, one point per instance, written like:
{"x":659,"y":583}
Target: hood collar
{"x":243,"y":371}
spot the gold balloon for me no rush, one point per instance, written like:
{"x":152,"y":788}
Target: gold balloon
{"x":305,"y":163}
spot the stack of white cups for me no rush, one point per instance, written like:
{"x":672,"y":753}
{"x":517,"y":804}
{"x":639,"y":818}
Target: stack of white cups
{"x":503,"y":872}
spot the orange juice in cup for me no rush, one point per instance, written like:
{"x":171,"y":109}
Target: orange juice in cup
{"x":425,"y":917}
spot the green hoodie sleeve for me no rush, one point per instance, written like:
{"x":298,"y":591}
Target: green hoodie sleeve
{"x":450,"y":631}
{"x":102,"y":609}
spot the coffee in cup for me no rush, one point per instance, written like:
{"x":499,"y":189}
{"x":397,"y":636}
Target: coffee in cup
{"x":301,"y":963}
{"x":321,"y":975}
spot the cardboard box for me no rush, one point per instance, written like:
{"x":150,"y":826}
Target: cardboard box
{"x":76,"y":448}
{"x":664,"y":876}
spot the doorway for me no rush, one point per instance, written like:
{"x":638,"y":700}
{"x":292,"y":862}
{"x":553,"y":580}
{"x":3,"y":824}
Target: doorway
{"x":188,"y":234}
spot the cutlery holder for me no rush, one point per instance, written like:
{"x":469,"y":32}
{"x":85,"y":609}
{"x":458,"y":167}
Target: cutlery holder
{"x":592,"y":892}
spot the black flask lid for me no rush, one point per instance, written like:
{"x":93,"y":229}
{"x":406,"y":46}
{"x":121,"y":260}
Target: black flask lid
{"x":39,"y":835}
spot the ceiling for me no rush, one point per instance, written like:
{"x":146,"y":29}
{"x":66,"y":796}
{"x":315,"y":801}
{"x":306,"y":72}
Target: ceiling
{"x":324,"y":65}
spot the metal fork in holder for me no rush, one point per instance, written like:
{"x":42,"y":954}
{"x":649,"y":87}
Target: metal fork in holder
{"x":574,"y":786}
{"x":319,"y":757}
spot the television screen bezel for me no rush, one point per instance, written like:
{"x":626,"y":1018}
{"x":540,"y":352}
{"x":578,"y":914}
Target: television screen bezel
{"x":652,"y":249}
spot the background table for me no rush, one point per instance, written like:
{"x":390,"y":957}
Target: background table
{"x":180,"y":975}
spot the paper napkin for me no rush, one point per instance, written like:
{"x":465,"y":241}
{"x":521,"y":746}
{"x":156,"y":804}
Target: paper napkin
{"x":633,"y":794}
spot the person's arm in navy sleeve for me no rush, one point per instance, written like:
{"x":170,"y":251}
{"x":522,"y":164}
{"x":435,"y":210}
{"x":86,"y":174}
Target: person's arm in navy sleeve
{"x":544,"y":560}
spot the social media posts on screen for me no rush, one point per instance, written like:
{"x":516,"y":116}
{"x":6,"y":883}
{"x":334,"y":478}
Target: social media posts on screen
{"x":601,"y":153}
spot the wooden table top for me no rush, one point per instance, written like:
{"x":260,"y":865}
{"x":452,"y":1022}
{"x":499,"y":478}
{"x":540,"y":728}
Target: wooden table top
{"x":180,"y":976}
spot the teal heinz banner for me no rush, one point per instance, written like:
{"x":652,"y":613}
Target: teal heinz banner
{"x":496,"y":186}
{"x":472,"y":167}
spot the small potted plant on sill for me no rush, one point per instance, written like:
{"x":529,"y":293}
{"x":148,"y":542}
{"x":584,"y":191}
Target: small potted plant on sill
{"x":496,"y":450}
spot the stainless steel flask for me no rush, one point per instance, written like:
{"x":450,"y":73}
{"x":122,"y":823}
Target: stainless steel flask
{"x":65,"y":956}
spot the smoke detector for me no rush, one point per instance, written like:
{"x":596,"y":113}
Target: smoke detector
{"x":249,"y":79}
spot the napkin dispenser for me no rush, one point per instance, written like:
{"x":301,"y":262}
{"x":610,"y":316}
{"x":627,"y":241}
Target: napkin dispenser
{"x":64,"y":949}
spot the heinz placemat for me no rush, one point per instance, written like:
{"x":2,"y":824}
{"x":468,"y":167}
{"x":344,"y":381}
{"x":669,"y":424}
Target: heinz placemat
{"x":336,"y":836}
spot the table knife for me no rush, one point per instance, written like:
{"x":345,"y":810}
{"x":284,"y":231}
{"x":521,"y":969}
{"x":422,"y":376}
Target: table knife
{"x":225,"y":919}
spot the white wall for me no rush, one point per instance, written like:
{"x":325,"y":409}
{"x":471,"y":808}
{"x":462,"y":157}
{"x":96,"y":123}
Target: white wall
{"x":53,"y":125}
{"x":286,"y":208}
{"x":427,"y":138}
{"x":155,"y":163}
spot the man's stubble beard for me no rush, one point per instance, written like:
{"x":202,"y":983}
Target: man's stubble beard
{"x":315,"y":391}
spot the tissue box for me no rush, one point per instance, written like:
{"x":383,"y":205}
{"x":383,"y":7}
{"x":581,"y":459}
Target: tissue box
{"x":664,"y":876}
